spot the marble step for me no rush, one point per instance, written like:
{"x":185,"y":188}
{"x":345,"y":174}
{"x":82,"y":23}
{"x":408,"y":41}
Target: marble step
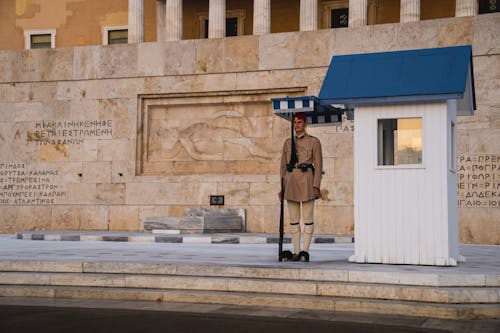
{"x":293,"y":272}
{"x":261,"y":299}
{"x":444,"y":295}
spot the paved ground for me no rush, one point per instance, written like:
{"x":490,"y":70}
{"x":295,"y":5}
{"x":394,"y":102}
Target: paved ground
{"x":70,"y":319}
{"x":481,"y":259}
{"x":58,"y":315}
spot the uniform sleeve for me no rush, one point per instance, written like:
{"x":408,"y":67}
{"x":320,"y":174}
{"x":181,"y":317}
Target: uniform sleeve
{"x":318,"y":163}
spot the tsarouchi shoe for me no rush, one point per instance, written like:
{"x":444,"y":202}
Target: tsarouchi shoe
{"x":304,"y":255}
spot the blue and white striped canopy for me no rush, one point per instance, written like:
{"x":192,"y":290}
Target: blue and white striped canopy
{"x":316,"y":114}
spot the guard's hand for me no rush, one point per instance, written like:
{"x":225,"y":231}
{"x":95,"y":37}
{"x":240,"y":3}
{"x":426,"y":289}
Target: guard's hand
{"x":317,"y":192}
{"x":280,"y":196}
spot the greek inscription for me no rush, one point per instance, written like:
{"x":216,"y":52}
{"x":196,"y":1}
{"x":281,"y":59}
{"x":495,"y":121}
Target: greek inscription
{"x":69,"y":132}
{"x":478,"y":181}
{"x":20,"y":185}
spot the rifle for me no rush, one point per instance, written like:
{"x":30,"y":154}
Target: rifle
{"x":280,"y":247}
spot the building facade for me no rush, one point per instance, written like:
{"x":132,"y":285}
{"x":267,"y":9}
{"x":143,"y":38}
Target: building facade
{"x":97,"y":136}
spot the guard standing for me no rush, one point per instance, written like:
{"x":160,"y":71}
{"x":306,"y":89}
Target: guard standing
{"x":301,"y":170}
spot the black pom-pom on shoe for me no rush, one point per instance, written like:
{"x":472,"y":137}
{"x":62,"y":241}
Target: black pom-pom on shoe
{"x":304,"y":255}
{"x":287,"y":255}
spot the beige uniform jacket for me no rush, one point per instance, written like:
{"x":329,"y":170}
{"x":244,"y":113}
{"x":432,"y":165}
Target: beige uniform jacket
{"x":298,"y":184}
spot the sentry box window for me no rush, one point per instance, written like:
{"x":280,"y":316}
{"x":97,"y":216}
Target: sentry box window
{"x":399,"y":141}
{"x":216,"y":200}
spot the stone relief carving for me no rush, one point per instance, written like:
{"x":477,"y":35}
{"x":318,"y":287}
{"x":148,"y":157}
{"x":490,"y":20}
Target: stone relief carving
{"x":211,"y":133}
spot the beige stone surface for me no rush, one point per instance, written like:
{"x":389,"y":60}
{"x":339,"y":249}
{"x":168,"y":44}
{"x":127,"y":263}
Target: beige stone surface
{"x":27,"y":291}
{"x":495,"y":116}
{"x":98,"y":280}
{"x":24,"y":278}
{"x":480,"y":141}
{"x":480,"y":119}
{"x":180,"y":57}
{"x":124,"y":218}
{"x":241,"y":54}
{"x":476,"y":225}
{"x":276,"y":51}
{"x":209,"y":55}
{"x":110,"y":194}
{"x":8,"y":66}
{"x":94,"y":217}
{"x":32,"y":218}
{"x":117,"y":61}
{"x":40,"y":266}
{"x":485,"y":37}
{"x":454,"y":33}
{"x":65,"y":218}
{"x":150,"y":59}
{"x":313,"y":50}
{"x":86,"y":62}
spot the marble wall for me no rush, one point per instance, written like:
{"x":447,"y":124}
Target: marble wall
{"x":101,"y":137}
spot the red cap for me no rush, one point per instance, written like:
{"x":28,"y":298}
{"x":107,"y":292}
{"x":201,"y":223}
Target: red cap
{"x":299,"y":115}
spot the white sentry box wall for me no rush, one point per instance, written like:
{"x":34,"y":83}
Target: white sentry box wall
{"x":407,"y":214}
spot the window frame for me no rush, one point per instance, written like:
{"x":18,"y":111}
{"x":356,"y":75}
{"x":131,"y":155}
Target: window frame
{"x":106,"y":29}
{"x":400,"y":166}
{"x":327,"y":7}
{"x":34,"y":32}
{"x":240,"y":14}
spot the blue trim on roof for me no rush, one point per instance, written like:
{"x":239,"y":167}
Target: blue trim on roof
{"x":414,"y":75}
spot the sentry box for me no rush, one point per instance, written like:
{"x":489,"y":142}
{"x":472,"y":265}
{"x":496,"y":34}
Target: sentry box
{"x":405,"y":150}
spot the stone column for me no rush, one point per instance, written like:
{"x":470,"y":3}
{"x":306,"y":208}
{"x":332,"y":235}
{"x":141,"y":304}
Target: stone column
{"x":261,"y":17}
{"x":410,"y":11}
{"x":173,"y":20}
{"x":217,"y":19}
{"x":160,"y":20}
{"x":465,"y":8}
{"x":357,"y":13}
{"x":135,"y":21}
{"x":308,"y":15}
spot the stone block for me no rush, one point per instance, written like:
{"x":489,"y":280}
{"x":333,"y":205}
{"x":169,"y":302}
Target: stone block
{"x":311,"y":49}
{"x":24,"y":278}
{"x":91,"y":280}
{"x":241,"y":54}
{"x":111,"y":194}
{"x":485,"y":32}
{"x":209,"y":55}
{"x":215,"y":224}
{"x":86,"y":62}
{"x":180,"y":57}
{"x":183,"y":223}
{"x":455,"y":32}
{"x":277,"y":51}
{"x":117,"y":61}
{"x":151,"y":59}
{"x":8,"y":66}
{"x":124,"y":218}
{"x":26,"y":291}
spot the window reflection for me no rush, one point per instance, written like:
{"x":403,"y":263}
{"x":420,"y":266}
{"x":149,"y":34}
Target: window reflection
{"x":399,"y":141}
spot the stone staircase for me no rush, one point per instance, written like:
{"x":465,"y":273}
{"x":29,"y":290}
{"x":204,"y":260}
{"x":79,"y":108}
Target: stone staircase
{"x":411,"y":294}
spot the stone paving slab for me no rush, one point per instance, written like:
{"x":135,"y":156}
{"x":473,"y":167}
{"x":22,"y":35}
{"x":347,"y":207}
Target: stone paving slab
{"x":482,"y":266}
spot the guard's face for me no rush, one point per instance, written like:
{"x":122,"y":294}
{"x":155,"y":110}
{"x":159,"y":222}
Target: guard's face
{"x":299,"y":126}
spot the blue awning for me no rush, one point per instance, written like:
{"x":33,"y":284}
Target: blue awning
{"x":316,"y":114}
{"x":401,"y":76}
